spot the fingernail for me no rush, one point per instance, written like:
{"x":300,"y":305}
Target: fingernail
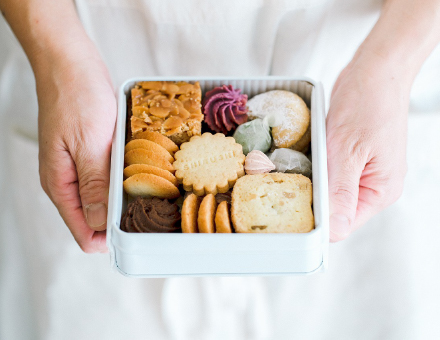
{"x":340,"y":225}
{"x":96,"y":214}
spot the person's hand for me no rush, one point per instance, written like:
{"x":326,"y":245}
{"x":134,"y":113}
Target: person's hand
{"x":77,"y":113}
{"x":366,"y":143}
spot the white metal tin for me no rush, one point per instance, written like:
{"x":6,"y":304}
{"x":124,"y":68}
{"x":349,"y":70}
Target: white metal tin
{"x":162,"y":255}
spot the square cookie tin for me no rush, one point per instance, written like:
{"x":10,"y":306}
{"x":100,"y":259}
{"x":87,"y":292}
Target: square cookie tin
{"x":178,"y":254}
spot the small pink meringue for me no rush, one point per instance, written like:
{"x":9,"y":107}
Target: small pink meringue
{"x":257,"y":162}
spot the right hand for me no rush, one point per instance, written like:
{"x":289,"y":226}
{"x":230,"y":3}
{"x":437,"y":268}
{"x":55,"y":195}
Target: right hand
{"x":77,"y":114}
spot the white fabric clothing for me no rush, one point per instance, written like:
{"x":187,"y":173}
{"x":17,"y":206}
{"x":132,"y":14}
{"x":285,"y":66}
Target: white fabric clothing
{"x":381,"y":282}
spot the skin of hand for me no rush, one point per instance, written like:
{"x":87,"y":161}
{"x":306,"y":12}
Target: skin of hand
{"x":77,"y":114}
{"x":367,"y":118}
{"x":366,"y":145}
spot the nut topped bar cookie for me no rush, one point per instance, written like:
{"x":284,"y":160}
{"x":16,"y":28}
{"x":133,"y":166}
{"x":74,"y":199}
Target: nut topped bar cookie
{"x":171,"y":108}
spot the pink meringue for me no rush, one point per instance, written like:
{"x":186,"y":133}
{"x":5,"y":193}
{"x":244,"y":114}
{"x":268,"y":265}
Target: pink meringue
{"x":225,"y":108}
{"x":257,"y":162}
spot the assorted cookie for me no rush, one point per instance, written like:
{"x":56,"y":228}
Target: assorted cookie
{"x":258,"y":163}
{"x":209,"y":164}
{"x":145,"y":144}
{"x":149,"y":185}
{"x":206,"y":215}
{"x":135,"y":169}
{"x":142,"y":156}
{"x":290,"y":114}
{"x":224,"y":180}
{"x":225,"y":108}
{"x":223,"y":218}
{"x":151,"y":215}
{"x":173,"y":109}
{"x":291,"y":161}
{"x":149,"y":169}
{"x":158,"y":138}
{"x":272,"y":203}
{"x":190,"y":210}
{"x":254,"y":135}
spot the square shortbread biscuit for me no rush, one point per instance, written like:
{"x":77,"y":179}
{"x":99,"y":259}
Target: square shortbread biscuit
{"x":272,"y":203}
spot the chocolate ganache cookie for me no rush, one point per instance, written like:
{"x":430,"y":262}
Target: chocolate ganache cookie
{"x":151,"y":215}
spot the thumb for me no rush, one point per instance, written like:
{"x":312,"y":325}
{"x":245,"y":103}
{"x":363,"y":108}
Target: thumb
{"x":344,"y":171}
{"x":93,"y":167}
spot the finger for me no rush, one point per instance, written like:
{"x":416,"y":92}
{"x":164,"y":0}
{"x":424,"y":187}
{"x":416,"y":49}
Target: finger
{"x":366,"y":207}
{"x":93,"y":167}
{"x":90,"y":241}
{"x":377,"y":190}
{"x":59,"y":180}
{"x":345,"y":165}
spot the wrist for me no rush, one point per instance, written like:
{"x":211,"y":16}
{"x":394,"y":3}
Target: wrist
{"x":50,"y":33}
{"x":80,"y":57}
{"x":376,"y":70}
{"x":402,"y":38}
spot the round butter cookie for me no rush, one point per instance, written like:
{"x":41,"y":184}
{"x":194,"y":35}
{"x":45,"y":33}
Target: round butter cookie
{"x":190,"y":209}
{"x":288,"y":112}
{"x":222,"y":218}
{"x":209,"y":164}
{"x":148,"y":185}
{"x":142,"y":156}
{"x":205,"y":219}
{"x":149,"y":169}
{"x":151,"y":146}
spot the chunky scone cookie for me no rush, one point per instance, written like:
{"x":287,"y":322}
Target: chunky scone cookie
{"x":209,"y":164}
{"x":288,"y":112}
{"x":272,"y":203}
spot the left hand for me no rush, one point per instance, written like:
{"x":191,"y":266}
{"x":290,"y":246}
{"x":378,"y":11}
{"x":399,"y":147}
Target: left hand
{"x":366,"y":143}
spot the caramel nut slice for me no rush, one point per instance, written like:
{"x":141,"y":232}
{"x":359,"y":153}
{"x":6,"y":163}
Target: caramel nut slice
{"x":172,"y":122}
{"x":159,"y":111}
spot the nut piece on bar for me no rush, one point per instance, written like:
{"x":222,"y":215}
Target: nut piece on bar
{"x":173,"y":109}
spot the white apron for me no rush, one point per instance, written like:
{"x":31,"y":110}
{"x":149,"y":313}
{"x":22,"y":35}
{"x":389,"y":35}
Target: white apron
{"x":382,"y":282}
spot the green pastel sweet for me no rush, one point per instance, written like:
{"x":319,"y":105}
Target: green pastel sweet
{"x":254,"y":135}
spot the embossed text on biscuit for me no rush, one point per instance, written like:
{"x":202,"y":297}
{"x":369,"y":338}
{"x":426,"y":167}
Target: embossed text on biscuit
{"x":209,"y":160}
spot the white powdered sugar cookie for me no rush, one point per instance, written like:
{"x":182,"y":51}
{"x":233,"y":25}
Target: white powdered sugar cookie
{"x":288,"y":113}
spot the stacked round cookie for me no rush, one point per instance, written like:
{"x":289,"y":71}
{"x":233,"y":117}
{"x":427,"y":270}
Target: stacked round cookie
{"x":205,"y":215}
{"x":269,"y":192}
{"x":149,"y":166}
